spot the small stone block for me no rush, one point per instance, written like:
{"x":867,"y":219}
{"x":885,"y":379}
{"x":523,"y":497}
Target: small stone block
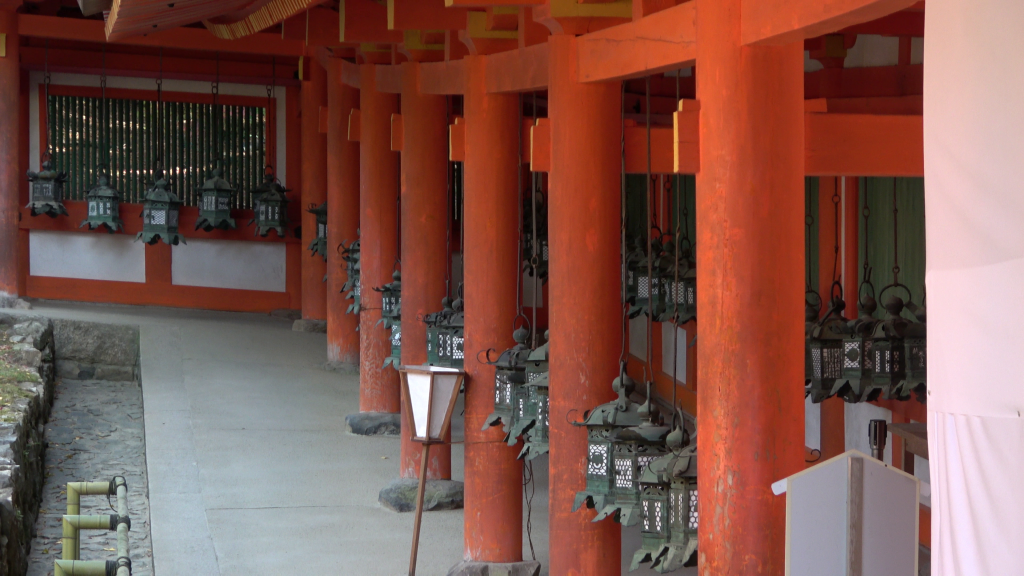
{"x":374,"y":424}
{"x":304,"y":325}
{"x":400,"y":495}
{"x":489,"y":569}
{"x":287,"y":314}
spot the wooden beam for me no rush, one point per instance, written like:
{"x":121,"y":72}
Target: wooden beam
{"x":835,"y":145}
{"x":354,"y":125}
{"x":490,"y":3}
{"x":129,"y":18}
{"x":457,"y":140}
{"x":443,"y":77}
{"x":666,"y":40}
{"x":522,"y":70}
{"x":350,"y":74}
{"x":784,"y":21}
{"x":389,"y":78}
{"x":901,"y":105}
{"x":56,"y":28}
{"x":397,"y":133}
{"x":863,"y":145}
{"x":424,"y":15}
{"x":365,"y":21}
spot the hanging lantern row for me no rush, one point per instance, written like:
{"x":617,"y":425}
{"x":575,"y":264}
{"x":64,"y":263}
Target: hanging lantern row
{"x":446,"y":334}
{"x":160,"y":212}
{"x":350,"y":255}
{"x":669,"y":513}
{"x":623,"y":438}
{"x":667,"y":289}
{"x":868,"y":359}
{"x":391,"y":317}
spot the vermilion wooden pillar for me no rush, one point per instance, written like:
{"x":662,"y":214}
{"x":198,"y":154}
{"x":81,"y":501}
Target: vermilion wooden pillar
{"x":424,"y":241}
{"x":11,"y":170}
{"x":750,"y":242}
{"x":493,"y":492}
{"x":314,"y":189}
{"x":585,"y":321}
{"x":378,"y":224}
{"x":342,"y":215}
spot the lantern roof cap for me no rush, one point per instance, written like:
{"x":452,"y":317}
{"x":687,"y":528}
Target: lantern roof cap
{"x":539,"y":354}
{"x":160,"y":190}
{"x":271,"y":187}
{"x":216,"y":182}
{"x":614,"y":414}
{"x":103,"y":189}
{"x":47,"y":173}
{"x":672,"y":466}
{"x":320,"y":210}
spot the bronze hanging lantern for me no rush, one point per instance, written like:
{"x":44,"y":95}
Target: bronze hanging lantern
{"x":160,"y":211}
{"x":633,"y":449}
{"x":215,"y":202}
{"x":46,"y":187}
{"x":889,"y":351}
{"x":643,"y":283}
{"x":103,"y":204}
{"x":270,"y":206}
{"x":670,"y":516}
{"x":916,"y":342}
{"x":602,"y":423}
{"x":825,"y":351}
{"x":538,"y":405}
{"x":319,"y":243}
{"x":509,"y":382}
{"x":435,"y":322}
{"x":46,"y":191}
{"x":350,"y":255}
{"x":391,"y":317}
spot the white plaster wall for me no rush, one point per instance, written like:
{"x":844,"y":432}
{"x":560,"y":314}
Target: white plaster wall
{"x":36,"y":79}
{"x":873,"y":50}
{"x":638,"y":336}
{"x":812,"y":424}
{"x":234,"y":264}
{"x":857,"y":418}
{"x":680,"y":350}
{"x":87,"y":256}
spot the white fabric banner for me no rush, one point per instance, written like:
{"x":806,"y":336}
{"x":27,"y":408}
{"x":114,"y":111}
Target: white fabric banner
{"x":974,"y":147}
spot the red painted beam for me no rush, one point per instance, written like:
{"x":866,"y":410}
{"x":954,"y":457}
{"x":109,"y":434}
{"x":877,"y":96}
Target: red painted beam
{"x":864,"y":145}
{"x":184,"y":38}
{"x":778,"y":22}
{"x":522,"y":70}
{"x":666,"y":40}
{"x":366,"y":21}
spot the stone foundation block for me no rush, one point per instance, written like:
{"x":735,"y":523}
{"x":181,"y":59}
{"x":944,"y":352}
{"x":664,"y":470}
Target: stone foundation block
{"x":489,"y":569}
{"x":374,"y":424}
{"x":400,"y":495}
{"x":316,"y":326}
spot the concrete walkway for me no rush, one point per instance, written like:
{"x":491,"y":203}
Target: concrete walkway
{"x":250,"y":468}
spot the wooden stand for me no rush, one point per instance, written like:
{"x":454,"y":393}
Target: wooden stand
{"x":419,"y":509}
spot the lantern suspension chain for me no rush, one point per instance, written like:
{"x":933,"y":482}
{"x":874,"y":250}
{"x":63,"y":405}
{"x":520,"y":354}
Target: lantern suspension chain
{"x":448,"y":213}
{"x":159,"y":114}
{"x":519,"y":223}
{"x":836,"y":276}
{"x":48,"y":153}
{"x":271,"y":92}
{"x":622,"y":227}
{"x":676,"y":288}
{"x":808,"y":223}
{"x":650,"y":243}
{"x":215,"y":92}
{"x":535,"y":260}
{"x":104,"y":123}
{"x":895,"y":237}
{"x":866,"y":280}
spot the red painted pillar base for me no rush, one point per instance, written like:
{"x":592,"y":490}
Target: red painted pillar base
{"x":11,"y":171}
{"x":585,"y":325}
{"x":494,"y":492}
{"x":750,"y":242}
{"x":314,"y":190}
{"x":342,"y":216}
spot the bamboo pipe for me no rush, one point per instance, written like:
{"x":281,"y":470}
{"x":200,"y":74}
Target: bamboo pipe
{"x":80,"y":568}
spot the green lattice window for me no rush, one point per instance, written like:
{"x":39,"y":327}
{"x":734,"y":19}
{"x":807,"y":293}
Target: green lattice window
{"x":190,"y":144}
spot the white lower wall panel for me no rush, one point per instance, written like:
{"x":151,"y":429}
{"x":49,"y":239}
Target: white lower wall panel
{"x":86,"y":256}
{"x":229,"y":264}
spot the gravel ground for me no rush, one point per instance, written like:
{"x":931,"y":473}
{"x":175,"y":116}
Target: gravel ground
{"x":95,"y":433}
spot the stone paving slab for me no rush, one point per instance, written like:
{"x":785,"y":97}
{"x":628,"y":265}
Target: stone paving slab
{"x":95,"y":432}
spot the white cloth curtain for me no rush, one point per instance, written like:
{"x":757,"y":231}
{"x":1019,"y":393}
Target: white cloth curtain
{"x":974,"y":203}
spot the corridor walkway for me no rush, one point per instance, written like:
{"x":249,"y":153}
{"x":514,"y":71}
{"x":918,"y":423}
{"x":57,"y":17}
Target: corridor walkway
{"x":251,"y":471}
